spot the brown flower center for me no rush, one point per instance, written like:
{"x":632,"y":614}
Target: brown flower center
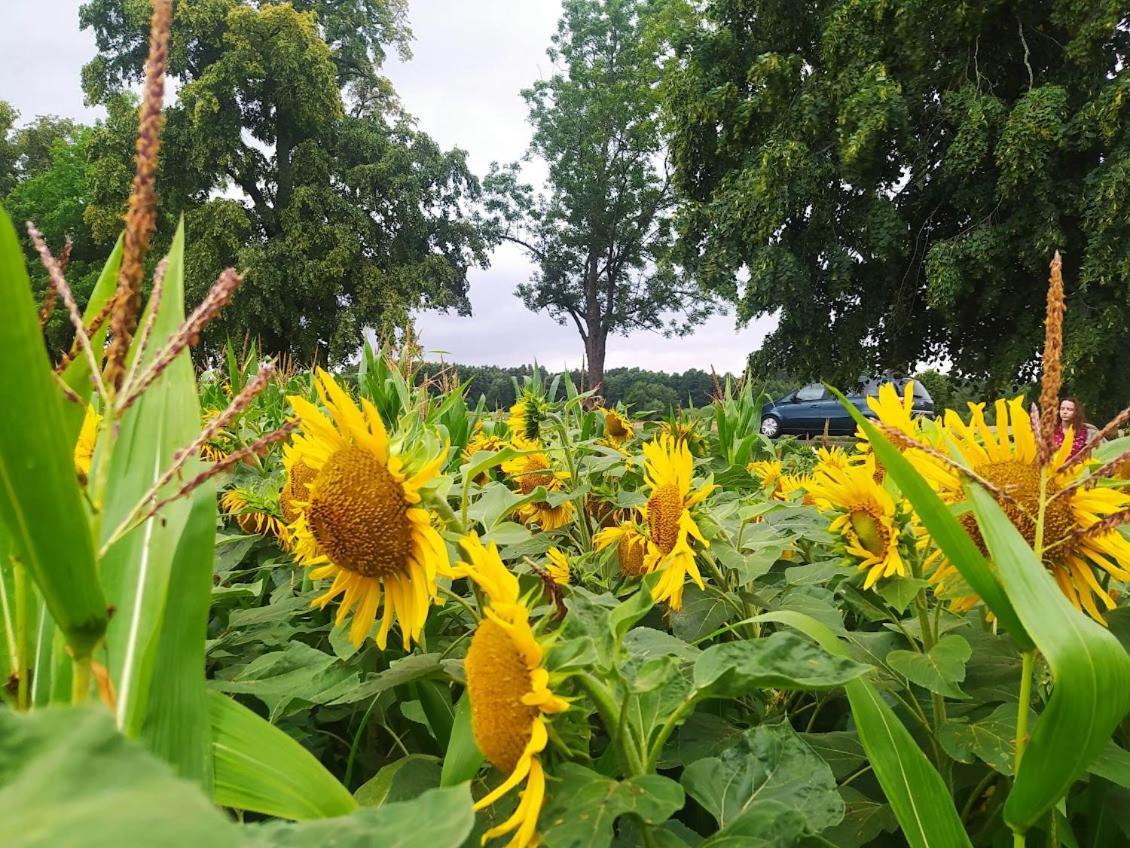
{"x":664,"y":508}
{"x":1021,"y":482}
{"x":497,"y":678}
{"x":536,"y":473}
{"x":359,"y":516}
{"x":869,"y":530}
{"x":630,"y":554}
{"x":614,"y":426}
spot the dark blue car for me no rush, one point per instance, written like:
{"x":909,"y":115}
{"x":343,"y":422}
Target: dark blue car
{"x":813,"y":410}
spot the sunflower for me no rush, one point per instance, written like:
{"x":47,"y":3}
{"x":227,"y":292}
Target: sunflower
{"x":295,"y":490}
{"x":84,"y":446}
{"x":557,"y":566}
{"x":668,"y":469}
{"x":526,"y":417}
{"x":631,"y":547}
{"x":618,"y":430}
{"x":508,"y":688}
{"x":865,"y":517}
{"x":253,"y":513}
{"x":768,"y":473}
{"x":1075,"y":538}
{"x":361,"y":521}
{"x":529,"y":471}
{"x":479,"y":442}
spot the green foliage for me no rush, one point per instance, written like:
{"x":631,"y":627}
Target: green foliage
{"x":347,"y":217}
{"x":602,"y":236}
{"x":895,"y":177}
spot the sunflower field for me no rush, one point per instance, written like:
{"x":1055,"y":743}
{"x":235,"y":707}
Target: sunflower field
{"x":268,"y":605}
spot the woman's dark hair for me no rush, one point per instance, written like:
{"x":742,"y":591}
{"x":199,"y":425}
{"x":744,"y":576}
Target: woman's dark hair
{"x":1080,"y":419}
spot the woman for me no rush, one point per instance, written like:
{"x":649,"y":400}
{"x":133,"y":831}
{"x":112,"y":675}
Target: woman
{"x":1071,"y":415}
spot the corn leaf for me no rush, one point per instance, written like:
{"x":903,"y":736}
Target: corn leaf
{"x":916,"y":792}
{"x":463,"y":757}
{"x":177,"y":725}
{"x":260,"y":768}
{"x":40,"y":500}
{"x":1090,"y":667}
{"x":137,"y":568}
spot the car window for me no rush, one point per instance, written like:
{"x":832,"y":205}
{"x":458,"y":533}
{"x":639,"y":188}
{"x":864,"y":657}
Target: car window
{"x":920,"y":393}
{"x":813,"y":391}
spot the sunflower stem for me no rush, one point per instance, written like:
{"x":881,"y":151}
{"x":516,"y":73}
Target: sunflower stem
{"x":606,"y":709}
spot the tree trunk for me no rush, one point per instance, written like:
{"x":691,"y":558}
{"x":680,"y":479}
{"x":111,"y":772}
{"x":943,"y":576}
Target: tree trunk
{"x":594,"y":353}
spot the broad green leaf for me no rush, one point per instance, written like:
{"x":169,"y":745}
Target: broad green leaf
{"x":864,"y":819}
{"x":940,"y":669}
{"x":1090,"y":667}
{"x":1112,"y":763}
{"x":177,"y":725}
{"x":440,"y":818}
{"x":77,"y":373}
{"x":401,"y":780}
{"x":292,"y":679}
{"x":68,"y":778}
{"x":779,"y":661}
{"x":944,"y":528}
{"x":463,"y":757}
{"x":768,"y":763}
{"x":770,"y":824}
{"x":702,"y":613}
{"x":136,"y":569}
{"x":40,"y":500}
{"x":916,"y":792}
{"x":840,"y":749}
{"x":404,"y":670}
{"x":260,"y":768}
{"x":900,"y":591}
{"x":991,"y":739}
{"x":583,"y":805}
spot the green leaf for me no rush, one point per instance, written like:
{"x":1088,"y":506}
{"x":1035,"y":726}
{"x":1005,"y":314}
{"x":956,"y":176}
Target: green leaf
{"x":440,"y":818}
{"x":1090,"y":667}
{"x":900,"y":591}
{"x":137,"y":568}
{"x":404,"y":670}
{"x":583,"y":805}
{"x":864,"y":819}
{"x":292,"y":679}
{"x":769,"y":763}
{"x":260,"y":768}
{"x":702,"y":614}
{"x":68,"y":778}
{"x":916,"y":792}
{"x":463,"y":757}
{"x":401,"y":780}
{"x":840,"y":749}
{"x":779,"y":661}
{"x":940,"y":669}
{"x":1112,"y":763}
{"x":943,"y":527}
{"x":40,"y":500}
{"x":177,"y":726}
{"x":991,"y":739}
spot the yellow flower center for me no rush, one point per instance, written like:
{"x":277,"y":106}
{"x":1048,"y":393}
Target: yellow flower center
{"x":630,"y":554}
{"x":359,"y":515}
{"x":497,"y":678}
{"x":869,"y":530}
{"x":664,"y":508}
{"x":1021,"y":482}
{"x":298,"y":479}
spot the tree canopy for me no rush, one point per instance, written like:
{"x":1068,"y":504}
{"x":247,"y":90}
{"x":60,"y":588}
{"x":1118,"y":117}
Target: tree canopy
{"x":892,"y":179}
{"x":289,"y":155}
{"x":601,"y":238}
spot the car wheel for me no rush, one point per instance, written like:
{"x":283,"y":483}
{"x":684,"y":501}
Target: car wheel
{"x":770,"y":426}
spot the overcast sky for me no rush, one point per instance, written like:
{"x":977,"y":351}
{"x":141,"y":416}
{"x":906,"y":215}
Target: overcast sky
{"x":470,"y":60}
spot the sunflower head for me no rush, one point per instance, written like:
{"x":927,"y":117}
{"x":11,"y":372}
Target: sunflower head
{"x":618,"y":430}
{"x":361,"y":520}
{"x":256,"y":513}
{"x":527,"y":416}
{"x":865,"y":518}
{"x":557,"y":564}
{"x":509,"y":690}
{"x":631,"y":547}
{"x":533,"y":470}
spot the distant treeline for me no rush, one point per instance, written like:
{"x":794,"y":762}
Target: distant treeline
{"x":659,"y":391}
{"x":640,"y":389}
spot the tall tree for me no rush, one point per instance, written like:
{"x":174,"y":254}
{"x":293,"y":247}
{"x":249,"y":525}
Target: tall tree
{"x":894,"y":177}
{"x":601,"y":238}
{"x":291,"y":158}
